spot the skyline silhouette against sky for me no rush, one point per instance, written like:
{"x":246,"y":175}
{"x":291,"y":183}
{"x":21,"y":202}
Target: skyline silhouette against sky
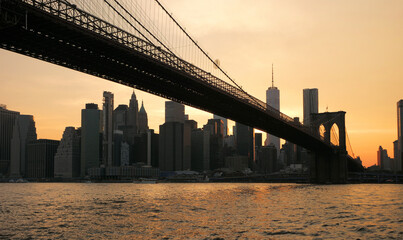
{"x":350,"y":51}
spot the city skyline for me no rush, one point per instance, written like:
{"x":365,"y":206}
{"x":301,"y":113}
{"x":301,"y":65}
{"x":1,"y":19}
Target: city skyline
{"x":363,"y":77}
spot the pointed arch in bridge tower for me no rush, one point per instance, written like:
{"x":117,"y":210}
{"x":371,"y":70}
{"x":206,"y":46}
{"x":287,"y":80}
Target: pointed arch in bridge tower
{"x":327,"y":120}
{"x":329,"y":167}
{"x":334,"y":135}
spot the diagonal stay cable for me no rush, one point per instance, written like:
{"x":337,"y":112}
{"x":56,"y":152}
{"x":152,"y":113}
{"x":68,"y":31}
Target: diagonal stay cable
{"x":197,"y":45}
{"x":131,"y":15}
{"x":110,"y":5}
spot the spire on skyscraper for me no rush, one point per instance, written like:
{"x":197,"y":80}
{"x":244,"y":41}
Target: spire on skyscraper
{"x":142,"y":109}
{"x":272,"y":76}
{"x":133,"y":101}
{"x":142,"y":119}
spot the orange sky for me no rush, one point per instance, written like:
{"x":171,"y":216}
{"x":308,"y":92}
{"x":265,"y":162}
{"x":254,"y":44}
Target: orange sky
{"x":352,"y":51}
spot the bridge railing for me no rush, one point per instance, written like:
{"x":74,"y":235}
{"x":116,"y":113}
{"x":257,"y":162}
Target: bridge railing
{"x":70,"y":13}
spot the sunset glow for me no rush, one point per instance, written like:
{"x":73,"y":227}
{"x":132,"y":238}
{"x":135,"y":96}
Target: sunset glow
{"x":351,"y":51}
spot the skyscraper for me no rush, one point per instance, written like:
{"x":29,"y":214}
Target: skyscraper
{"x":152,"y":148}
{"x":142,"y":119}
{"x":174,"y":112}
{"x":225,"y":121}
{"x":399,"y":160}
{"x":117,"y":147}
{"x":40,"y":158}
{"x":395,"y":155}
{"x":258,"y":140}
{"x":267,"y":159}
{"x":172,"y":139}
{"x":245,"y":142}
{"x":171,"y":146}
{"x":132,"y":119}
{"x":67,"y":158}
{"x":383,"y":160}
{"x":7,"y":121}
{"x":311,"y":104}
{"x":120,"y":117}
{"x":24,"y":131}
{"x":273,"y":100}
{"x":107,"y":143}
{"x":200,"y":145}
{"x":91,"y":150}
{"x":215,"y":128}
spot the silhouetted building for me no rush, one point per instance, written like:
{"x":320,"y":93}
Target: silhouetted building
{"x":117,"y":147}
{"x":24,"y":131}
{"x":174,"y":112}
{"x":7,"y":121}
{"x":230,"y":141}
{"x":188,"y":126}
{"x":143,"y":119}
{"x":225,"y":122}
{"x":237,"y":163}
{"x":91,"y":147}
{"x":171,"y":147}
{"x":124,"y":154}
{"x":120,"y":117}
{"x":291,"y":153}
{"x":311,"y":104}
{"x":152,"y":148}
{"x":267,"y":159}
{"x":200,"y":150}
{"x":192,"y":124}
{"x":139,"y":151}
{"x":174,"y":139}
{"x":273,"y":100}
{"x":258,"y":140}
{"x":132,"y":119}
{"x":216,"y":129}
{"x":67,"y":157}
{"x":146,"y":148}
{"x":245,"y":142}
{"x":107,"y":121}
{"x":399,"y":159}
{"x":383,"y":160}
{"x":41,"y":158}
{"x":395,"y":156}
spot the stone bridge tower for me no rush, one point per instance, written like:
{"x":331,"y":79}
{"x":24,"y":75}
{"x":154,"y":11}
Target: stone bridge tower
{"x":329,"y":167}
{"x":327,"y":120}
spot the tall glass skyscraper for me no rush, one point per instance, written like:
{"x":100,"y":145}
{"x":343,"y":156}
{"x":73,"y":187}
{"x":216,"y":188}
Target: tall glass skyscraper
{"x":90,"y":138}
{"x":273,"y":100}
{"x":399,"y":160}
{"x":311,"y":104}
{"x":225,"y":121}
{"x":107,"y":116}
{"x":7,"y":121}
{"x":24,"y":132}
{"x":132,"y":119}
{"x":174,"y":139}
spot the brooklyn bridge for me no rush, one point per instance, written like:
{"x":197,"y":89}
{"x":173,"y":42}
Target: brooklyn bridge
{"x":111,"y":40}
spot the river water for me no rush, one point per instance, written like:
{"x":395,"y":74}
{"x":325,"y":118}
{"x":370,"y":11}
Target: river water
{"x":200,"y":211}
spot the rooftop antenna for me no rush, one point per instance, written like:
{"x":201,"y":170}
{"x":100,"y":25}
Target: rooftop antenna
{"x":272,"y":76}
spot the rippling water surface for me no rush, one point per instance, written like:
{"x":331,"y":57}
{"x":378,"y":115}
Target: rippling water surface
{"x":200,"y":211}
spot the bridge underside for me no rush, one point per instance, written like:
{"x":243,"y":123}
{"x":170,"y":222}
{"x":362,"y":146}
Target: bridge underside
{"x":30,"y":31}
